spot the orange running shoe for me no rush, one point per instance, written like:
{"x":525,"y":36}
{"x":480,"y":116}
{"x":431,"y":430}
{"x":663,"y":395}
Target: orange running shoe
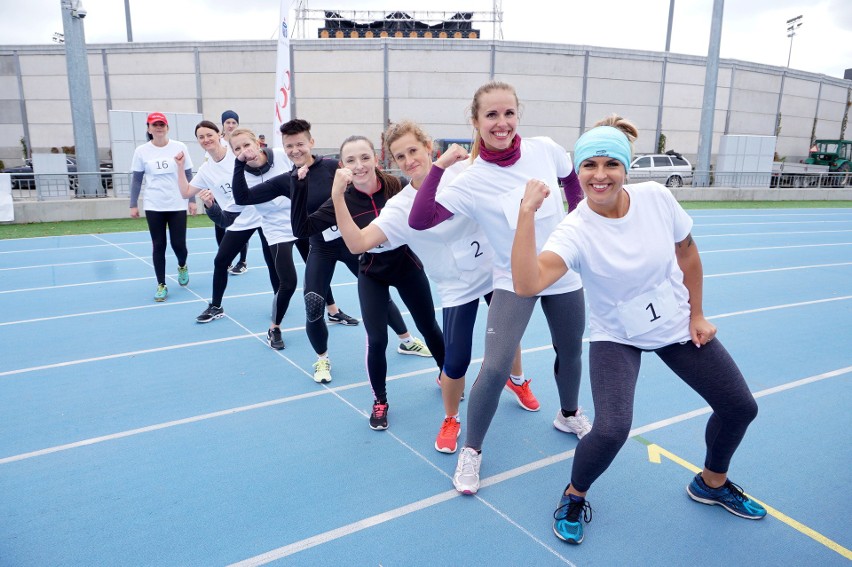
{"x":446,"y":440}
{"x":526,"y":399}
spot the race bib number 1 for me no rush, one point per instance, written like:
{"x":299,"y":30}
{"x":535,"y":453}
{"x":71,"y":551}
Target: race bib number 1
{"x":648,"y":311}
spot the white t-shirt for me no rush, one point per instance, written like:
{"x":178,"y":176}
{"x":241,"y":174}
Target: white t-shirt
{"x":456,"y":254}
{"x":633,"y":283}
{"x":274,"y":214}
{"x":217,"y":176}
{"x":491,"y":196}
{"x":161,"y":184}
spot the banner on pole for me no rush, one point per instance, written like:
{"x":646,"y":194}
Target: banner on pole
{"x":282,"y":78}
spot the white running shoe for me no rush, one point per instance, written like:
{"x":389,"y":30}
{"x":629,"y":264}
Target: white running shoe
{"x":578,"y":424}
{"x":322,"y":371}
{"x":466,"y":479}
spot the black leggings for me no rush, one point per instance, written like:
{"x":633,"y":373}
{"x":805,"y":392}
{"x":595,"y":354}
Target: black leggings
{"x":282,"y":255}
{"x":319,"y":269}
{"x":709,"y":370}
{"x":303,"y":245}
{"x":220,"y":234}
{"x":232,"y":242}
{"x":413,"y":288}
{"x":158,"y":221}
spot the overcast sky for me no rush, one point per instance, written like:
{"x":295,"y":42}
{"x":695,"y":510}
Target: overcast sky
{"x":753,"y":30}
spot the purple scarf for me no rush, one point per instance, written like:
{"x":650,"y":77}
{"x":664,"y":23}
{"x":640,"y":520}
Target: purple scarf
{"x":503,"y":158}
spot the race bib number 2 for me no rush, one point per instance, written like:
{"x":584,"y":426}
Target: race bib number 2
{"x":511,"y":205}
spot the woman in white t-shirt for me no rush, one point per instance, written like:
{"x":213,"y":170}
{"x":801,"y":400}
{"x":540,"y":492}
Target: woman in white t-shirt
{"x":456,"y":256}
{"x":633,"y":247}
{"x":165,"y":207}
{"x":489,"y":192}
{"x":212,"y":183}
{"x":252,"y":167}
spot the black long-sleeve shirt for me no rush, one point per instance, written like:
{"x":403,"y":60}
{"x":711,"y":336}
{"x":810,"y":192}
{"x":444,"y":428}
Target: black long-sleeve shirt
{"x":364,"y":209}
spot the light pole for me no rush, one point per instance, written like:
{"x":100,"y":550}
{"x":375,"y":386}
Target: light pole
{"x":80,"y":93}
{"x":793,"y":24}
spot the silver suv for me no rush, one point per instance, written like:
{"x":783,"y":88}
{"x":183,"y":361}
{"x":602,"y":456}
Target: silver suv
{"x":670,"y":169}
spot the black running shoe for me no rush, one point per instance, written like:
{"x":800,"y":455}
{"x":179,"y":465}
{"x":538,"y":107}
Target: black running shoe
{"x":273,"y":337}
{"x":238,"y":269}
{"x":379,"y":417}
{"x":343,"y":319}
{"x":212,"y":312}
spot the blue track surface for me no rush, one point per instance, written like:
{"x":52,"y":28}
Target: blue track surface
{"x":130,"y":435}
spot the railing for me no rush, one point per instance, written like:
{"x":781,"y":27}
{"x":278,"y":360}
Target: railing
{"x":58,"y":186}
{"x":63,"y":186}
{"x":783,"y":180}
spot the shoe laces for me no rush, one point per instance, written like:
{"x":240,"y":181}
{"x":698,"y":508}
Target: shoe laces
{"x":573,"y":511}
{"x":322,"y":364}
{"x":467,"y":462}
{"x":736,"y":490}
{"x":379,"y":410}
{"x":448,"y":425}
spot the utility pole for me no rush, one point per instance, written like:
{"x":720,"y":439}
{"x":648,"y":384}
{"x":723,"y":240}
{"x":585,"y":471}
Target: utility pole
{"x":80,"y":93}
{"x":708,"y":110}
{"x":127,"y":20}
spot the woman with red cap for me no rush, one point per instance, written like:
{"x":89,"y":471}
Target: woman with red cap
{"x":165,"y":207}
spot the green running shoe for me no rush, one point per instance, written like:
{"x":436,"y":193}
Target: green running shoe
{"x":183,"y":275}
{"x":162,"y":293}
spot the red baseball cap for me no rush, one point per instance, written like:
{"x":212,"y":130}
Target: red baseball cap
{"x":157,"y":117}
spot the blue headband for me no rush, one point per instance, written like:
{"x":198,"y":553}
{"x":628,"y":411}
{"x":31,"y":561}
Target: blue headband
{"x":603,"y":141}
{"x":230,"y":114}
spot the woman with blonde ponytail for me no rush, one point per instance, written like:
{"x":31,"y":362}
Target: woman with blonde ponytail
{"x":489,"y":192}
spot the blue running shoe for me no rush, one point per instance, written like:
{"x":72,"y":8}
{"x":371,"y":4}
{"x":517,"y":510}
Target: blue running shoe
{"x":567,"y":524}
{"x":729,"y":496}
{"x":162,"y":292}
{"x":183,"y":275}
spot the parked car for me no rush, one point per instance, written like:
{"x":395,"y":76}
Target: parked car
{"x":23,"y":177}
{"x":671,"y":169}
{"x":440,"y":145}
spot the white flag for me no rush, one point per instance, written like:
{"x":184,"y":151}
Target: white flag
{"x":282,"y":78}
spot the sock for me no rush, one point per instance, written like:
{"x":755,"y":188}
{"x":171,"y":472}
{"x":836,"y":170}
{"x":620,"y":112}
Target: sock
{"x":517,"y":380}
{"x":566,"y":413}
{"x":407,"y":340}
{"x":456,"y":417}
{"x":322,"y":357}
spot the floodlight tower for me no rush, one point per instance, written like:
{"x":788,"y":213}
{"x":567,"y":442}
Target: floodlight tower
{"x":793,"y":24}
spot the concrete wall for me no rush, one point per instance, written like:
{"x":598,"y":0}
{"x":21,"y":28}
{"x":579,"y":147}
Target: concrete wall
{"x":355,"y":86}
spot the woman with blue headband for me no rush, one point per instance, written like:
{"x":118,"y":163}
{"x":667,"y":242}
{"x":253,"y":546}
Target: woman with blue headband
{"x":633,"y":248}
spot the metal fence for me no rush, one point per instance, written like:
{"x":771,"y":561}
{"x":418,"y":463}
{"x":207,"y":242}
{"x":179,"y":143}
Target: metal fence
{"x":59,"y":186}
{"x":64,"y":186}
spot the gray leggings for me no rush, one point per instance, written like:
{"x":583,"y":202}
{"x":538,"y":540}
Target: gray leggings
{"x":508,"y":316}
{"x":709,"y":370}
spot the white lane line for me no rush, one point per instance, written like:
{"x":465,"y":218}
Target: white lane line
{"x":776,"y":307}
{"x":150,"y":306}
{"x":770,"y":270}
{"x":249,"y":333}
{"x":88,"y":246}
{"x":821,"y":221}
{"x":748,"y":234}
{"x":764,"y":213}
{"x":442,"y":497}
{"x":703,"y":251}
